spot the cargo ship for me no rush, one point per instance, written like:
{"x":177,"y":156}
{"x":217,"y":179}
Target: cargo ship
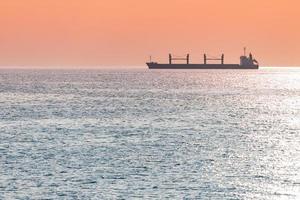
{"x":246,"y":62}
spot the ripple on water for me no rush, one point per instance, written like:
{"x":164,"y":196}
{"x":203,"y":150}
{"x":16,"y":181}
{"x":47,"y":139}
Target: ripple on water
{"x":85,"y":134}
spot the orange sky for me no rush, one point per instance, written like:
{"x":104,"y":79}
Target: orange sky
{"x":126,"y":32}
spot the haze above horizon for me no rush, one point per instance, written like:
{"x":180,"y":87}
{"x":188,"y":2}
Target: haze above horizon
{"x":126,"y":32}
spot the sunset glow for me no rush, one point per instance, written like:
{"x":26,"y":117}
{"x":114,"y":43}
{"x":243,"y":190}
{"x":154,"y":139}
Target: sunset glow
{"x":126,"y":32}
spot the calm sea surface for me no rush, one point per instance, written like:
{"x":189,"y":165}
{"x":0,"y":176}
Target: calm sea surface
{"x":98,"y":134}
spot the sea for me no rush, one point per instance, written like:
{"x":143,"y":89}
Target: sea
{"x":142,"y":134}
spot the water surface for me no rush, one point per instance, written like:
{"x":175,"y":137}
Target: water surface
{"x":122,"y":134}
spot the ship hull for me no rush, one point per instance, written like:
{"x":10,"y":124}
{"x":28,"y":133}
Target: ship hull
{"x":199,"y":66}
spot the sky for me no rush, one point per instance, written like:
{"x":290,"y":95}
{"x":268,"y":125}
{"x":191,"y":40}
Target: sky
{"x":126,"y":32}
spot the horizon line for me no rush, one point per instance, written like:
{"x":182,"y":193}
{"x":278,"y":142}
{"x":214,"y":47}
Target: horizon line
{"x":112,"y":67}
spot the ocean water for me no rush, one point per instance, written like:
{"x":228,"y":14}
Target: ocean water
{"x":140,"y":134}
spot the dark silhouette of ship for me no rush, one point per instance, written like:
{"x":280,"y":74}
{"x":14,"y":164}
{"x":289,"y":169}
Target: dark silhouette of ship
{"x":246,"y":62}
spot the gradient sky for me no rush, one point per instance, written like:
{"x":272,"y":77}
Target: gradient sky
{"x":126,"y":32}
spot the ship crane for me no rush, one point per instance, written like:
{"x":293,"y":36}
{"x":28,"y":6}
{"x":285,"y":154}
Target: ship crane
{"x":187,"y":58}
{"x":206,"y":58}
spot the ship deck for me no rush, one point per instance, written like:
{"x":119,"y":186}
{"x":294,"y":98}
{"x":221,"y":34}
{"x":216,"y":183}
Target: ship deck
{"x":199,"y":66}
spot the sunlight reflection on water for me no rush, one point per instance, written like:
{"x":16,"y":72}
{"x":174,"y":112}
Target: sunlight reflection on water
{"x":211,"y":134}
